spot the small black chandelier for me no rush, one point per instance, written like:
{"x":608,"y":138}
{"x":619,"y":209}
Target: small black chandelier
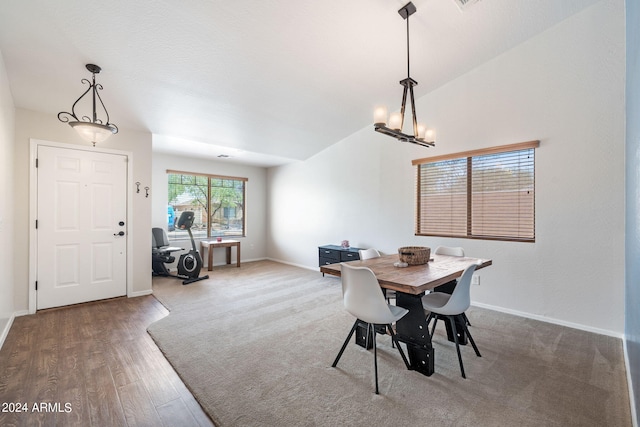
{"x":91,"y":128}
{"x":421,"y":134}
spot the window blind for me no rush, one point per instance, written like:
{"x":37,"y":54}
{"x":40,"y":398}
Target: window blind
{"x":484,"y":194}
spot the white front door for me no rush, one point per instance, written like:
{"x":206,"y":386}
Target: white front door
{"x":81,"y":228}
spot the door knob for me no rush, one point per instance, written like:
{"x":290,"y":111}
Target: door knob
{"x":119,"y":234}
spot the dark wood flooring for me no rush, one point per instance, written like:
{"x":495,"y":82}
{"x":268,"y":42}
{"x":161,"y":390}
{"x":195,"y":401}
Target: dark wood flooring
{"x":92,"y":365}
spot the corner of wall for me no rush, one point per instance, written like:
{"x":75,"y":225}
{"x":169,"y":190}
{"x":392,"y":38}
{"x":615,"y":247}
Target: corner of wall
{"x":7,"y":203}
{"x":632,"y":209}
{"x":5,"y":325}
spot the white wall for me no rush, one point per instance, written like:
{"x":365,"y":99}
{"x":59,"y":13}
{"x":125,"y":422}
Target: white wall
{"x":41,"y":126}
{"x":253,"y":246}
{"x":564,"y":87}
{"x":7,"y":240}
{"x":632,"y":276}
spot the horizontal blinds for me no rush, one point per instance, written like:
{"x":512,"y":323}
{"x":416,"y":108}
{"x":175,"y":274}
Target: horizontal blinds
{"x":488,"y":196}
{"x":502,"y":199}
{"x":443,"y":198}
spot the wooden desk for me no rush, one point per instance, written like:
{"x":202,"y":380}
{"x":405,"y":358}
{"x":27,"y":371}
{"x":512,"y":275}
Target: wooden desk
{"x":410,"y":283}
{"x":228,"y":244}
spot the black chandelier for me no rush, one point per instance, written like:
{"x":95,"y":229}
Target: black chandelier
{"x":91,"y":128}
{"x":421,"y":134}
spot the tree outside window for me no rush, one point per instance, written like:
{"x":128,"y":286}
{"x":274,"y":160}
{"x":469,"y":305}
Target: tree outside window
{"x":218,"y":203}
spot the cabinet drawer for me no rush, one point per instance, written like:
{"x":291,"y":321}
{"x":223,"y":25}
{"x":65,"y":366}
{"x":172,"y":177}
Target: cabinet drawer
{"x":349,"y":256}
{"x":327,"y":261}
{"x":329,"y":254}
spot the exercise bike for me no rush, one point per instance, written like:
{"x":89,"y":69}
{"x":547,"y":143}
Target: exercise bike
{"x":189,"y":264}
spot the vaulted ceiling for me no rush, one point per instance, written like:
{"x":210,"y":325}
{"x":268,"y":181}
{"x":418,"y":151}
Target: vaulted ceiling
{"x":264,"y":81}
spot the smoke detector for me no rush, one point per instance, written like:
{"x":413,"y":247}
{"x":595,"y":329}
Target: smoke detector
{"x":465,"y":4}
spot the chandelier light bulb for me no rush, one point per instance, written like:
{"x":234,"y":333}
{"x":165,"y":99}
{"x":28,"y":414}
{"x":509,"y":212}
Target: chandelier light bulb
{"x":430,"y":135}
{"x":380,"y":116}
{"x":395,"y":121}
{"x":422,"y":130}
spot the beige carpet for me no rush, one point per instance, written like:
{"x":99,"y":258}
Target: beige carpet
{"x":255,"y":346}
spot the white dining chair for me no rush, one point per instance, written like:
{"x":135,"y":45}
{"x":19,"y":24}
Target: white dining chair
{"x":368,"y":253}
{"x":374,"y":253}
{"x":452,"y":251}
{"x":452,"y":306}
{"x":449,"y":250}
{"x":363,"y":299}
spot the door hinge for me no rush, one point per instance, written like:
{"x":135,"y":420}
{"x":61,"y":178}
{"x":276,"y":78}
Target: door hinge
{"x":36,"y":162}
{"x":36,"y":285}
{"x":36,"y":224}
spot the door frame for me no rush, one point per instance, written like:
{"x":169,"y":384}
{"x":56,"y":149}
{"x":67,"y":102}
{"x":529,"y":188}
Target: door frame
{"x":33,"y":210}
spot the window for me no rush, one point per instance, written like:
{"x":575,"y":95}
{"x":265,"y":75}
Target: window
{"x":218,"y":203}
{"x":483,"y":194}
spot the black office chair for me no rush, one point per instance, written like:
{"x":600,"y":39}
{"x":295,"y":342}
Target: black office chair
{"x":161,"y":252}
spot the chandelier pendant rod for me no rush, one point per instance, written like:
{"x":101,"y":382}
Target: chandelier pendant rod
{"x":393,"y":126}
{"x":404,"y":102}
{"x":95,"y":115}
{"x":408,"y":51}
{"x":413,"y":111}
{"x":408,"y":83}
{"x":73,"y":107}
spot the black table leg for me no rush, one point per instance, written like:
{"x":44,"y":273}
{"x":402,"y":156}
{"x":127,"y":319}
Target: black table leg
{"x":412,"y":330}
{"x":361,"y":334}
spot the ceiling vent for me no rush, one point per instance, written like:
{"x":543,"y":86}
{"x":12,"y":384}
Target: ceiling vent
{"x":465,"y":4}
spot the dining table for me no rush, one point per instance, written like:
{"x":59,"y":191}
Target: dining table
{"x":410,"y":284}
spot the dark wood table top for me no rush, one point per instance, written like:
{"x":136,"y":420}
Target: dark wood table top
{"x":413,"y":279}
{"x":220,"y":244}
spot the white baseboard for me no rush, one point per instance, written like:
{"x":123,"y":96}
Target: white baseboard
{"x":140,"y":293}
{"x":247,"y":260}
{"x":306,"y":267}
{"x":632,"y":399}
{"x":5,"y":330}
{"x":205,"y":266}
{"x":549,"y":320}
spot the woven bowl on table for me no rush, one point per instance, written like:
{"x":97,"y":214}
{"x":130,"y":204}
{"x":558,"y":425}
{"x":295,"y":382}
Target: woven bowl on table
{"x":414,"y":255}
